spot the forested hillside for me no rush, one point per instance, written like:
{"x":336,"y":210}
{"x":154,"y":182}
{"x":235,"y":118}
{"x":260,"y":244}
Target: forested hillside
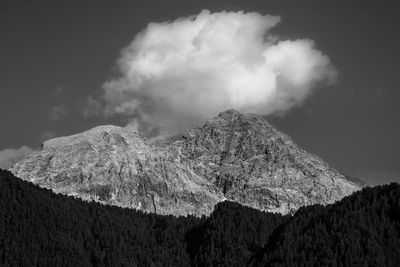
{"x":361,"y":230}
{"x":41,"y":228}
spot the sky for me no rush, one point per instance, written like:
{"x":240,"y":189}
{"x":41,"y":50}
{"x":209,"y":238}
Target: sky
{"x":67,"y":66}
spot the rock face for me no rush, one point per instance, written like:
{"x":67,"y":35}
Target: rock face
{"x":239,"y":157}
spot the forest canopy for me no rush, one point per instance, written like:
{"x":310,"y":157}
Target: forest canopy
{"x":41,"y":228}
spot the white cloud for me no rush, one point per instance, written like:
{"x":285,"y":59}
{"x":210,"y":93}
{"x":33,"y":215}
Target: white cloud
{"x":174,"y":75}
{"x":9,"y":156}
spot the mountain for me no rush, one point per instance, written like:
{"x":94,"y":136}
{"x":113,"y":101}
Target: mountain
{"x":234,"y":156}
{"x":41,"y":228}
{"x":116,"y":166}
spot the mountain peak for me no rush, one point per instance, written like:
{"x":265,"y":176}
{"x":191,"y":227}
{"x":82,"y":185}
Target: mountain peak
{"x":229,"y":114}
{"x":233,"y":116}
{"x":237,"y":157}
{"x":251,"y":125}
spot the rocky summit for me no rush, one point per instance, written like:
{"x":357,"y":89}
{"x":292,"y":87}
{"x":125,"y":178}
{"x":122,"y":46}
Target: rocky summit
{"x":237,"y":157}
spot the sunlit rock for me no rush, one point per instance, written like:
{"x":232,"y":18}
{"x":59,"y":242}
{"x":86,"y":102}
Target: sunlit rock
{"x":239,"y":157}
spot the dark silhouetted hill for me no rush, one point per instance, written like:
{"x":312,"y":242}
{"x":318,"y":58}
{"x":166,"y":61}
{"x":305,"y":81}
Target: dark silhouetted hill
{"x":41,"y":228}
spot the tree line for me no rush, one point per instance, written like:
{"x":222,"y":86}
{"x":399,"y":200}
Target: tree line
{"x":41,"y":228}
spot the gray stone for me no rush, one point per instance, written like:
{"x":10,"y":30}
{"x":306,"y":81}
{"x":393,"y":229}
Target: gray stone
{"x":239,"y":157}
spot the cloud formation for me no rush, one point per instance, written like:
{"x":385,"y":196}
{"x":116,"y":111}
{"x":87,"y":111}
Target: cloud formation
{"x":174,"y":75}
{"x":9,"y":156}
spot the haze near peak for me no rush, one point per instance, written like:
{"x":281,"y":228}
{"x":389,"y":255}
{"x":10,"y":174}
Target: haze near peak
{"x":175,"y":75}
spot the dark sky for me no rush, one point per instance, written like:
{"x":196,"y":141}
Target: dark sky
{"x":53,"y":54}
